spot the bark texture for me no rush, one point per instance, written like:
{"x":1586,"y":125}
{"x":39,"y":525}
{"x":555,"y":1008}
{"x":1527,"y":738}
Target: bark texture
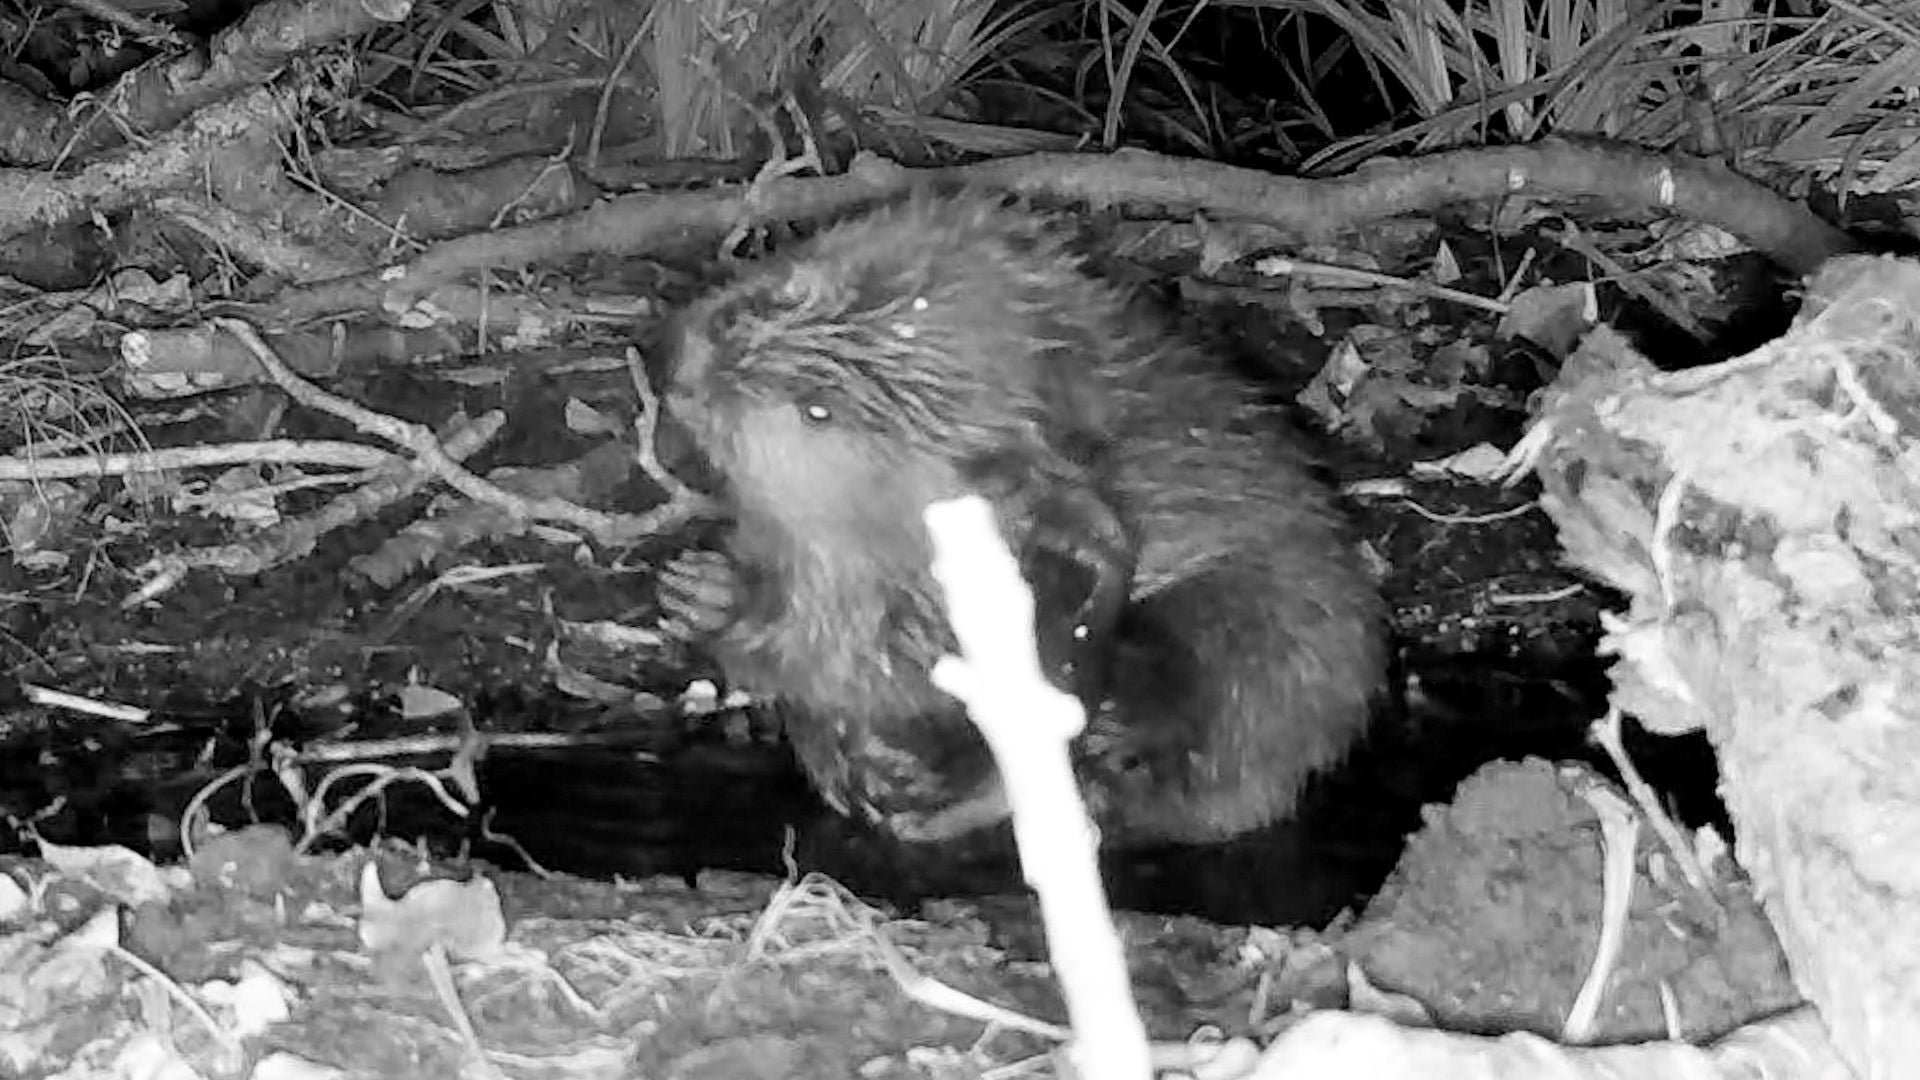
{"x":1764,"y":517}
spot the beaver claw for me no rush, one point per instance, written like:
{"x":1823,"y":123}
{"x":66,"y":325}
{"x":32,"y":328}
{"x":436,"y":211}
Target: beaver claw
{"x":697,"y":594}
{"x":983,"y":809}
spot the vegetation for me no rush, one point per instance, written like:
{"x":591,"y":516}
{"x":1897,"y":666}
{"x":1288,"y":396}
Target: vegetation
{"x":1825,"y":91}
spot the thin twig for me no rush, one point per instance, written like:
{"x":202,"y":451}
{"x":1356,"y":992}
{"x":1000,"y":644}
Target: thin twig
{"x":421,"y":442}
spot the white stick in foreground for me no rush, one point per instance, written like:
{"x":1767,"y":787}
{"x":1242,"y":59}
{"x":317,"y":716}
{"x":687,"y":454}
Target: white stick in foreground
{"x":1028,"y":725}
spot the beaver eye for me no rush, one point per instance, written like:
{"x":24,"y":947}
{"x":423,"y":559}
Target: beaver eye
{"x":816,"y":413}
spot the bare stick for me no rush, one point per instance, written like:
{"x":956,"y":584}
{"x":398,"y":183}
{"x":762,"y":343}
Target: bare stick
{"x":420,"y":441}
{"x":1028,"y":724}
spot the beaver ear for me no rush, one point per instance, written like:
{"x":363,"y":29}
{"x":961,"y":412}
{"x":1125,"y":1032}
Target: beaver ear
{"x":1062,"y":525}
{"x":1078,"y":560}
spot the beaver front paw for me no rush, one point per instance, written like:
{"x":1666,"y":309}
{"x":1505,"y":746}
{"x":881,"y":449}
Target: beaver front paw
{"x":699,"y":592}
{"x":983,"y":809}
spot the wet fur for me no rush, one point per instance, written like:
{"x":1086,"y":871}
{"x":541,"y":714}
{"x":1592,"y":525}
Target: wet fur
{"x":1193,"y":581}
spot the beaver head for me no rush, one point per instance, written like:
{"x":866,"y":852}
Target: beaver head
{"x":841,"y":388}
{"x":930,"y":350}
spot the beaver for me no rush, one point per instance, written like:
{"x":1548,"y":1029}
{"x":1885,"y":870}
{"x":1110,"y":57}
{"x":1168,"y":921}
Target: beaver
{"x":1193,"y":582}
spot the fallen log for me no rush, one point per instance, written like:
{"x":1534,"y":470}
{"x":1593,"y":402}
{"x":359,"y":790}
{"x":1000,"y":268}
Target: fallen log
{"x":1763,"y":517}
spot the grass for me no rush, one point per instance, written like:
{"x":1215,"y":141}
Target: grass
{"x":1771,"y":85}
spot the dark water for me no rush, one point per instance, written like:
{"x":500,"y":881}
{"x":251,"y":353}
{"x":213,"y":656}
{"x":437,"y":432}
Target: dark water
{"x":605,"y":811}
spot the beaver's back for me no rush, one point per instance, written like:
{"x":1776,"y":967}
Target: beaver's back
{"x":1254,"y":649}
